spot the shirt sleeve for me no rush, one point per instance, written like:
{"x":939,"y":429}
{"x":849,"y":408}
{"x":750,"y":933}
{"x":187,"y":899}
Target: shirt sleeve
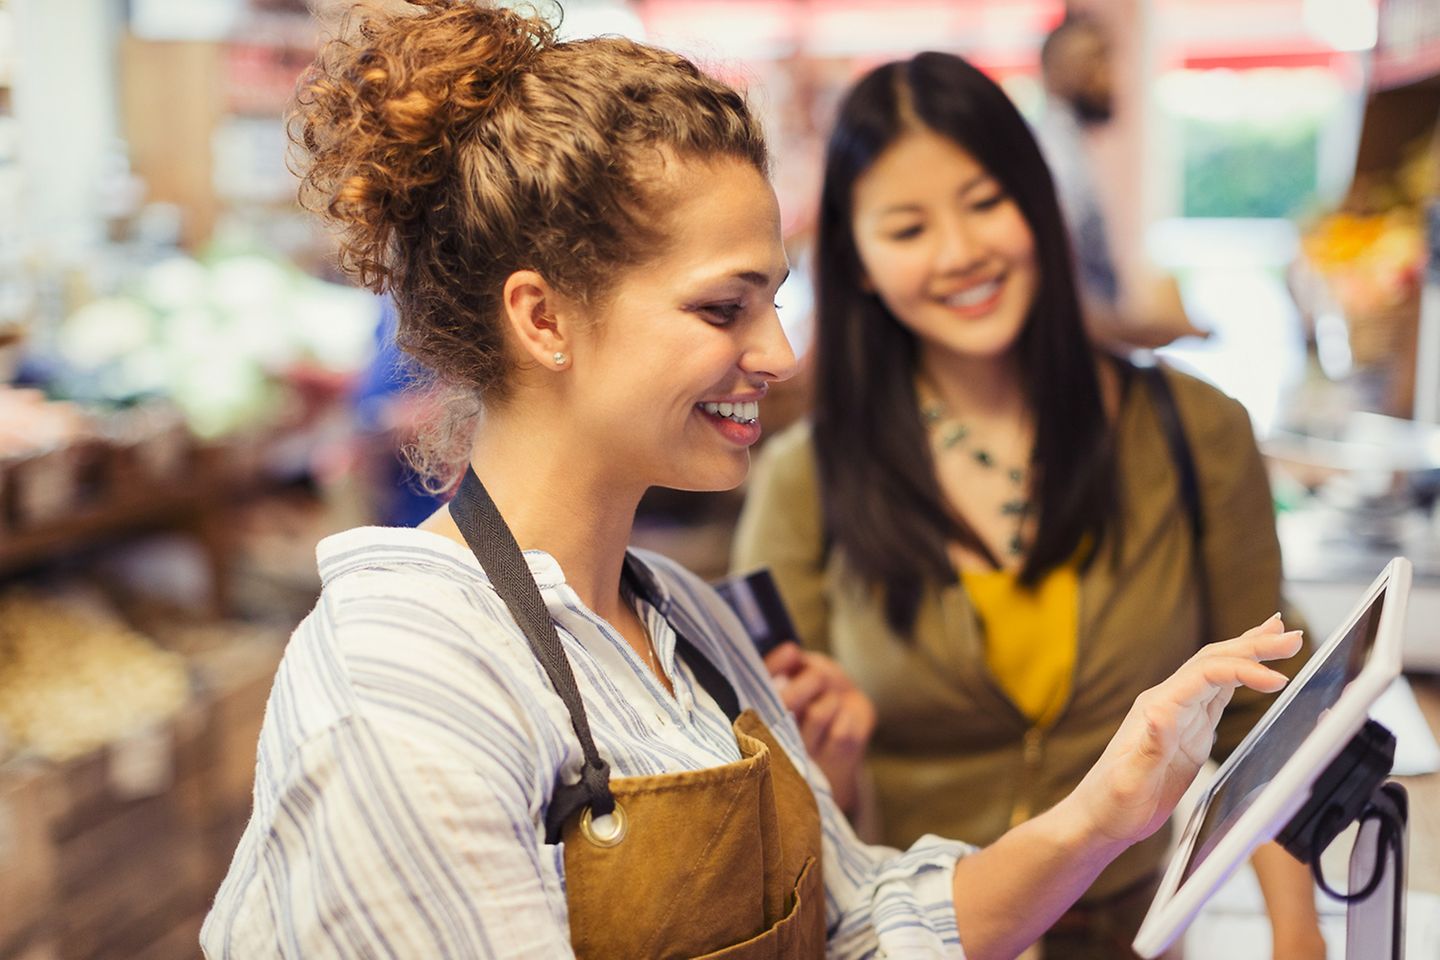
{"x":781,"y":528}
{"x":381,"y":846}
{"x":407,"y":821}
{"x":1240,"y":550}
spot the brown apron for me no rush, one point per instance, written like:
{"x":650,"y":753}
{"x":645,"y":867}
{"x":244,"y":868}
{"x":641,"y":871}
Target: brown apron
{"x":720,"y":862}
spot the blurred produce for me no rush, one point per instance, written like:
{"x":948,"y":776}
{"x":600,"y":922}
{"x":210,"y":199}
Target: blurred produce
{"x":217,"y":337}
{"x":74,"y":677}
{"x":1369,"y":258}
{"x":1361,"y":277}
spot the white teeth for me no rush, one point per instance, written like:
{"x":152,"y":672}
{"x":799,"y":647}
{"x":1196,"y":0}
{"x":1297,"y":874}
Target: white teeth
{"x":974,"y":295}
{"x":739,"y":412}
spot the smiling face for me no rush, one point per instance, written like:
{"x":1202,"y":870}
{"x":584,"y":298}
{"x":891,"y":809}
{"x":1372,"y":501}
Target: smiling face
{"x":666,"y":380}
{"x":944,"y":247}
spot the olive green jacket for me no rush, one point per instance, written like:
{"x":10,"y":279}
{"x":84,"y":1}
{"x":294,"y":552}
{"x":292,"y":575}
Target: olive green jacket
{"x":952,"y":755}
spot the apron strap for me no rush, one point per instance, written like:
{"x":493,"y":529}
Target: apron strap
{"x":494,"y":545}
{"x":641,"y":582}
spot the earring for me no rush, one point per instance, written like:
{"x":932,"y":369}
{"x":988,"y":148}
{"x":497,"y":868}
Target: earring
{"x":560,"y":359}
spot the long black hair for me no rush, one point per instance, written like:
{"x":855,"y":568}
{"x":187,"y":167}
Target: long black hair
{"x":882,"y":502}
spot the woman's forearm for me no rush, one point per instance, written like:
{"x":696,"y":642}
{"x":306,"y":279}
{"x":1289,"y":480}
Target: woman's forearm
{"x":1008,"y":894}
{"x":1289,"y":894}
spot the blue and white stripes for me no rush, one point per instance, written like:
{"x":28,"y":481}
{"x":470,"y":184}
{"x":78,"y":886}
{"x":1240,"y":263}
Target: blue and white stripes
{"x":411,"y":743}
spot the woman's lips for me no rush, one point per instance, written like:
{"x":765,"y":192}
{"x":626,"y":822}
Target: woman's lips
{"x":741,"y":430}
{"x":976,"y":300}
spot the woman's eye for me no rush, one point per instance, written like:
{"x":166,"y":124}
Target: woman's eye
{"x":908,"y":233}
{"x":722,"y":314}
{"x":990,"y":202}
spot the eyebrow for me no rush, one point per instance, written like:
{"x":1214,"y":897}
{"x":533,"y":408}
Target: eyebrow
{"x":755,"y":278}
{"x":965,"y":188}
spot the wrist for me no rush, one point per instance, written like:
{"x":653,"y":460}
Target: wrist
{"x":1070,"y":826}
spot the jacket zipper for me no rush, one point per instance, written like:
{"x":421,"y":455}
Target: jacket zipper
{"x":1032,"y":751}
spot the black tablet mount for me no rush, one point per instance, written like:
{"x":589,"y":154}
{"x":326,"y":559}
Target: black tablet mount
{"x":1354,"y":788}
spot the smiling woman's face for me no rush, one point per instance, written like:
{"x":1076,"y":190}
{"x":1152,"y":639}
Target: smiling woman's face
{"x":944,"y":247}
{"x":667,"y":378}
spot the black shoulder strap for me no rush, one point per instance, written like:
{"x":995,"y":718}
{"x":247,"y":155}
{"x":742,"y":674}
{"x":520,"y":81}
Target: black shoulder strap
{"x":641,"y":581}
{"x":1167,"y":411}
{"x":494,"y":545}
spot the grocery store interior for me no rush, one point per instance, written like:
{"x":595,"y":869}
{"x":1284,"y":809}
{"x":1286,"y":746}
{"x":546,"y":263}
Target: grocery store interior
{"x":192,"y":395}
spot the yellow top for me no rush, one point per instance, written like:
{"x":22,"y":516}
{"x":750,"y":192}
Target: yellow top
{"x":1030,"y":636}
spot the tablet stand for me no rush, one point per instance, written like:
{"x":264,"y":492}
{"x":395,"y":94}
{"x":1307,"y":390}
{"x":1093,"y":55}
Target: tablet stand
{"x":1354,"y":788}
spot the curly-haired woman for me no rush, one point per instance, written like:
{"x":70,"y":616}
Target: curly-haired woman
{"x":472,"y":750}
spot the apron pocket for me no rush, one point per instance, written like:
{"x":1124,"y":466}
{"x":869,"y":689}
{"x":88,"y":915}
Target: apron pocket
{"x":799,"y":934}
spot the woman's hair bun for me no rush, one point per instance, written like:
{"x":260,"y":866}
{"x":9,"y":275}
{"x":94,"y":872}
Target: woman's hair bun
{"x":454,"y":143}
{"x":380,"y":113}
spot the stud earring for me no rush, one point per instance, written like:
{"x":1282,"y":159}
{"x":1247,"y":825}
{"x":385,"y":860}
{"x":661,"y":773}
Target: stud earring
{"x":560,"y":359}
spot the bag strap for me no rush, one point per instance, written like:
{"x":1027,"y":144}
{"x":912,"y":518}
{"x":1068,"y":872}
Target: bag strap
{"x":1167,"y":411}
{"x":493,"y":544}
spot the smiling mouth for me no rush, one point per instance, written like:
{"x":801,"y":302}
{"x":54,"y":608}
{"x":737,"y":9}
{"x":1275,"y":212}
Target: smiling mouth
{"x":976,"y":295}
{"x":738,"y":412}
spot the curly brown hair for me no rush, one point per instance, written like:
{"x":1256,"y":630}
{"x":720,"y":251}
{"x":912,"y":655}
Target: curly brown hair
{"x":457,"y":143}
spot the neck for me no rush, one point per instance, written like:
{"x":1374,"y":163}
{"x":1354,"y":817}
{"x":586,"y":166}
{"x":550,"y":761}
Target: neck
{"x":976,"y":387}
{"x":551,"y":502}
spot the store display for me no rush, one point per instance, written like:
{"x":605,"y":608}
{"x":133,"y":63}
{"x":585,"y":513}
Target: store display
{"x":215,"y":337}
{"x":127,"y":782}
{"x":1372,"y":254}
{"x":73,"y":677}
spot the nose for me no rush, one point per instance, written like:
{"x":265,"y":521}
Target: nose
{"x":959,"y":248}
{"x":768,"y":355}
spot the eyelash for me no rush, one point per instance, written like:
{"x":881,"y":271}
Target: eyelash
{"x":980,"y":206}
{"x":724,"y":314}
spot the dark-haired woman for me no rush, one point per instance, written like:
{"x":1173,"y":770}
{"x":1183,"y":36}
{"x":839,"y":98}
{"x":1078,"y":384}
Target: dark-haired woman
{"x":982,"y":522}
{"x":503,"y":734}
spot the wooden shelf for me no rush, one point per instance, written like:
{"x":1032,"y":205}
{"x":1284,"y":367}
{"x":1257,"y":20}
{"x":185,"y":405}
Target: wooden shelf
{"x":117,"y":519}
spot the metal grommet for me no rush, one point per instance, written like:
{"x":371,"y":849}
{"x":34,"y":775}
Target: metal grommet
{"x":606,"y":831}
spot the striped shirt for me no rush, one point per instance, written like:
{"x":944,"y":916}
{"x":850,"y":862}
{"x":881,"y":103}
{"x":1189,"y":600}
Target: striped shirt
{"x":411,"y":743}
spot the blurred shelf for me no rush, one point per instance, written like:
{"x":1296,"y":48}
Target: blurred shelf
{"x":135,"y":513}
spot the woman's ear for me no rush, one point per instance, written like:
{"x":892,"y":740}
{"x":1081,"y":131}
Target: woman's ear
{"x":539,"y":320}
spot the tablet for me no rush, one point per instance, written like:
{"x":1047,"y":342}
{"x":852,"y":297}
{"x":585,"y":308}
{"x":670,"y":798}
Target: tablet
{"x":1268,"y":777}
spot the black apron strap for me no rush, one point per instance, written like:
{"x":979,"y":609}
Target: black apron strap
{"x":494,"y":545}
{"x":638,"y":579}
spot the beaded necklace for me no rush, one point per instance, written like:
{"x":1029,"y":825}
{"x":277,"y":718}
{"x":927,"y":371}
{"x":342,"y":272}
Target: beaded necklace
{"x":947,"y":433}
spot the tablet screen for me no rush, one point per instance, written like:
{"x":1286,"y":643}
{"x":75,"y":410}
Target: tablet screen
{"x":1230,"y":798}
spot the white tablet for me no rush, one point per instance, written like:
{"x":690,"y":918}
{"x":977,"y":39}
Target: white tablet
{"x":1268,"y":777}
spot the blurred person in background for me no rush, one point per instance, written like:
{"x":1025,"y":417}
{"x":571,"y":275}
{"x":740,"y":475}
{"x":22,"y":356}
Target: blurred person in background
{"x":1078,"y":74}
{"x":474,"y":751}
{"x":982,"y":522}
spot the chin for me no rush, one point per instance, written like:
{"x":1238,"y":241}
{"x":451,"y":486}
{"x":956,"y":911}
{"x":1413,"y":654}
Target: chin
{"x":714,"y":476}
{"x":988,"y":344}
